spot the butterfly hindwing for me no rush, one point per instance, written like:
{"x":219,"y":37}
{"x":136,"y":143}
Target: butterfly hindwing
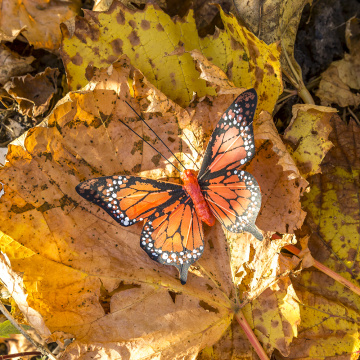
{"x":234,"y":198}
{"x":129,"y":199}
{"x":232,"y":142}
{"x":174,"y":235}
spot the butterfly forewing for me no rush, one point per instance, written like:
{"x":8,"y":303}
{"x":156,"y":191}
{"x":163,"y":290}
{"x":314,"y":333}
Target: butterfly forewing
{"x":174,"y":235}
{"x":232,"y":142}
{"x":233,"y":195}
{"x":129,"y":199}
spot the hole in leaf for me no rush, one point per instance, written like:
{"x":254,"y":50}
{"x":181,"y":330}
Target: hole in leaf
{"x":208,"y":307}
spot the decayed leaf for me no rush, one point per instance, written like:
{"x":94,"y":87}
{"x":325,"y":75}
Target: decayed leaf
{"x":88,"y":276}
{"x":152,"y":41}
{"x":12,"y":64}
{"x":274,"y":316}
{"x":37,"y":20}
{"x":330,"y":312}
{"x":329,"y":327}
{"x":332,"y":204}
{"x":15,"y":286}
{"x":282,"y":186}
{"x":272,"y":21}
{"x":34,"y":93}
{"x":340,"y":83}
{"x":307,"y":136}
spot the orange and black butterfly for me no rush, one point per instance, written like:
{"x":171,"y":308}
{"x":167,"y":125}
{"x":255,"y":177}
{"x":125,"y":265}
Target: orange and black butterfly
{"x":172,"y":213}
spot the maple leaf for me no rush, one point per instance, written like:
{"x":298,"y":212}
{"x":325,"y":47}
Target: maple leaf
{"x":158,"y":45}
{"x":329,"y":310}
{"x":86,"y":275}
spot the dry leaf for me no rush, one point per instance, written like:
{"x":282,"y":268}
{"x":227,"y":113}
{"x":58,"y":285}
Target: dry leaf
{"x":282,"y":185}
{"x":12,"y":64}
{"x":307,"y":136}
{"x":15,"y":286}
{"x":88,"y":276}
{"x":340,"y":83}
{"x":273,"y":21}
{"x":330,"y":312}
{"x":37,"y":20}
{"x":158,"y":45}
{"x":34,"y":93}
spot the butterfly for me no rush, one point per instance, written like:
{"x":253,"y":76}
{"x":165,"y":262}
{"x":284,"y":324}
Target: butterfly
{"x":172,"y":233}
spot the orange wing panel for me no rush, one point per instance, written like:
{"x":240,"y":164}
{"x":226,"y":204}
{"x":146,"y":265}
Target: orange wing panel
{"x":129,"y":199}
{"x":177,"y":239}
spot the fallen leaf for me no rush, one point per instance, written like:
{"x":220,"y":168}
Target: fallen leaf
{"x":281,"y":187}
{"x":34,"y":93}
{"x":332,"y":204}
{"x":274,"y":316}
{"x":273,"y":21}
{"x":12,"y":64}
{"x":149,"y":37}
{"x":330,"y":312}
{"x":340,"y":83}
{"x":37,"y":20}
{"x":15,"y":286}
{"x":86,"y":275}
{"x":307,"y":136}
{"x":329,"y":327}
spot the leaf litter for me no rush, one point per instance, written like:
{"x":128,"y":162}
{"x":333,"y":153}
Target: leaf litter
{"x":78,"y":255}
{"x":97,"y":272}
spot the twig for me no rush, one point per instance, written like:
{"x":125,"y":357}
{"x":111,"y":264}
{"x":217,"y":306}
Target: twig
{"x":354,"y":116}
{"x":40,"y":347}
{"x":294,"y":250}
{"x":26,"y":353}
{"x":239,"y":316}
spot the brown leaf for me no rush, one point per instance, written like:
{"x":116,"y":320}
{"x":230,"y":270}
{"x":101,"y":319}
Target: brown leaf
{"x":340,"y":83}
{"x":281,"y":183}
{"x":12,"y":64}
{"x":34,"y":93}
{"x":88,"y":276}
{"x":38,"y":20}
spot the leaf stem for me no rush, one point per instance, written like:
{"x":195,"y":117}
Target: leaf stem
{"x":239,"y":316}
{"x":298,"y":82}
{"x":40,"y":347}
{"x":294,"y":250}
{"x":26,"y":353}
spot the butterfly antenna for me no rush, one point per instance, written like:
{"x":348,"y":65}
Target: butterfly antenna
{"x":193,"y":148}
{"x":143,"y":120}
{"x":149,"y":145}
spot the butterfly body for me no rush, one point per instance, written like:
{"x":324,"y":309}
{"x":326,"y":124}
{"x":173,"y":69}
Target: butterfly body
{"x":173,"y":214}
{"x":192,"y":188}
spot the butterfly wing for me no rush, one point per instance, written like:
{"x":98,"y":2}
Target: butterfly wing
{"x":129,"y":199}
{"x":232,"y":142}
{"x":172,"y":232}
{"x":234,"y":198}
{"x":174,"y":235}
{"x":233,"y":195}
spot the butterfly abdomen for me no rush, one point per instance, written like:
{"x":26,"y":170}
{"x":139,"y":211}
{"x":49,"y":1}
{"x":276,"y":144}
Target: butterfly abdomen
{"x":192,"y":187}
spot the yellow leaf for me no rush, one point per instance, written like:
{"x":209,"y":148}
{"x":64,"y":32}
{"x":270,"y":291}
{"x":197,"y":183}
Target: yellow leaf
{"x":274,"y":21}
{"x":307,"y":136}
{"x":158,"y":45}
{"x":330,"y":311}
